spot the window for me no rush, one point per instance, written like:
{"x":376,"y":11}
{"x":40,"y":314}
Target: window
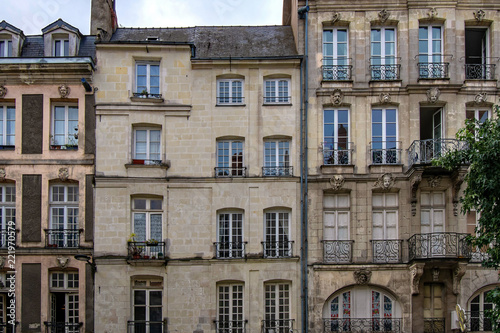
{"x":64,"y":302}
{"x":383,"y":54}
{"x":61,"y":47}
{"x":7,"y":211}
{"x":147,"y":306}
{"x":336,"y":217}
{"x":6,"y":298}
{"x":432,"y":209}
{"x":336,"y":148}
{"x":434,"y":320}
{"x":478,"y":320}
{"x":277,"y":91}
{"x":277,"y":235}
{"x":230,"y":309}
{"x":230,"y":159}
{"x":5,"y":48}
{"x":477,"y":63}
{"x":147,"y":217}
{"x":63,"y":230}
{"x":277,"y":158}
{"x":277,"y":308}
{"x":64,"y":127}
{"x":230,"y":91}
{"x":335,"y":55}
{"x":386,"y":246}
{"x":230,"y":240}
{"x":478,"y":114}
{"x":385,"y":148}
{"x":7,"y":127}
{"x":148,"y":79}
{"x":430,"y":52}
{"x":147,"y":146}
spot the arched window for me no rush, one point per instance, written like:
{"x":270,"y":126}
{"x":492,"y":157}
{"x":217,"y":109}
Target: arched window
{"x":477,"y":307}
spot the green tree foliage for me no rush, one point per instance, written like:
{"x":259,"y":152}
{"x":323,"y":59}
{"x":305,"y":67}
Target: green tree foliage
{"x":482,"y":157}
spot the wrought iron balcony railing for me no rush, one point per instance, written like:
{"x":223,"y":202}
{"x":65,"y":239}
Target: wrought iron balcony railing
{"x":387,"y":250}
{"x":337,"y":156}
{"x":385,"y":72}
{"x":480,"y":71}
{"x":434,"y":325}
{"x":138,"y":161}
{"x":337,"y":72}
{"x":227,"y":250}
{"x":277,"y":249}
{"x":230,"y":100}
{"x":277,"y":171}
{"x":337,"y":251}
{"x":62,"y":238}
{"x":433,"y":70}
{"x":230,"y":326}
{"x":60,"y":327}
{"x":149,"y":250}
{"x":425,"y":151}
{"x":362,"y":325}
{"x":388,"y":155}
{"x":228,"y":172}
{"x":477,"y":321}
{"x":478,"y":255}
{"x":277,"y":326}
{"x":439,"y":245}
{"x":277,"y":99}
{"x":142,"y":326}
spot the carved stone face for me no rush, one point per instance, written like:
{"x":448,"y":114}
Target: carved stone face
{"x":337,"y":97}
{"x":387,"y":180}
{"x":337,"y":181}
{"x":64,"y":91}
{"x":433,"y":94}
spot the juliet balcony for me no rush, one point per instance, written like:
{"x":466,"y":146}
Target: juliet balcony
{"x":337,"y":153}
{"x":439,"y":245}
{"x":425,"y":151}
{"x":60,"y":327}
{"x":230,"y":250}
{"x":280,"y":249}
{"x":480,"y":71}
{"x":387,"y":251}
{"x":385,"y":152}
{"x":336,"y":69}
{"x":277,"y":171}
{"x":62,"y":238}
{"x":277,"y":326}
{"x":362,"y":325}
{"x":433,"y":70}
{"x":143,"y":326}
{"x":146,"y":250}
{"x":337,"y":251}
{"x":229,"y":172}
{"x":385,"y":69}
{"x":230,"y":326}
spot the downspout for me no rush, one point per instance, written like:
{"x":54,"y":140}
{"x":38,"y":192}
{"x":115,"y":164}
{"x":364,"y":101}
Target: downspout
{"x":303,"y":14}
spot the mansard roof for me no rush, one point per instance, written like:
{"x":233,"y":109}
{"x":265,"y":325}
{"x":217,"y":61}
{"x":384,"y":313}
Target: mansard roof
{"x":61,"y":24}
{"x":6,"y":25}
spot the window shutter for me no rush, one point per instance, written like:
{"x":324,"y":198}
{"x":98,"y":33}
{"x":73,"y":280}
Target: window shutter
{"x":31,"y":296}
{"x":89,"y":208}
{"x":89,"y":124}
{"x":32,"y":124}
{"x":32,"y":208}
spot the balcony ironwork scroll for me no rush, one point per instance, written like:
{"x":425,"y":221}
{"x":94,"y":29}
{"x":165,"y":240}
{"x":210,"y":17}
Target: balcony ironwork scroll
{"x":62,"y":238}
{"x":227,"y":250}
{"x":277,"y":326}
{"x":337,"y":155}
{"x":387,"y":250}
{"x":230,"y":326}
{"x":337,"y":251}
{"x":433,"y":70}
{"x":362,"y":325}
{"x":277,"y":171}
{"x":277,"y":249}
{"x":438,"y":245}
{"x":227,"y":172}
{"x":434,"y":325}
{"x":385,"y":72}
{"x":480,"y":71}
{"x":389,"y":155}
{"x":336,"y":72}
{"x":143,"y":326}
{"x":425,"y":151}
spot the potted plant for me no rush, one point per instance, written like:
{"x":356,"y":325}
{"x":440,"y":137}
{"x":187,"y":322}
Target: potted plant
{"x":152,"y":242}
{"x":144,"y":93}
{"x":135,"y":250}
{"x":160,"y":255}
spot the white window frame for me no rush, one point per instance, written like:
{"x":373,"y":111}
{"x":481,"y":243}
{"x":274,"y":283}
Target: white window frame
{"x":384,"y":209}
{"x":337,"y":155}
{"x":479,"y":316}
{"x":148,"y":213}
{"x":6,"y":134}
{"x":477,"y":112}
{"x":233,"y":164}
{"x":63,"y":47}
{"x":70,"y":131}
{"x":430,"y":53}
{"x":277,"y":306}
{"x":230,"y":308}
{"x":431,"y":208}
{"x":150,"y":158}
{"x":151,"y":89}
{"x":147,"y":286}
{"x":70,"y":214}
{"x":384,"y":147}
{"x":337,"y":211}
{"x":69,"y":288}
{"x":277,"y":158}
{"x":5,"y":48}
{"x":234,"y":248}
{"x":383,"y":42}
{"x":7,"y":211}
{"x":277,"y":243}
{"x":335,"y":60}
{"x":277,"y":91}
{"x":232,"y":98}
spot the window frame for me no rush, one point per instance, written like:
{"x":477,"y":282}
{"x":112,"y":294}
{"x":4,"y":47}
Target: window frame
{"x":382,"y":144}
{"x":147,"y":288}
{"x":234,"y":247}
{"x":147,"y":160}
{"x":71,"y":297}
{"x":5,"y":109}
{"x":232,"y":164}
{"x":277,"y":244}
{"x":274,"y":95}
{"x":230,"y":307}
{"x":277,"y":305}
{"x":277,"y":158}
{"x":63,"y":44}
{"x":383,"y":45}
{"x":7,"y":211}
{"x":338,"y":155}
{"x":148,"y":213}
{"x":69,"y":235}
{"x":384,"y":208}
{"x":429,"y":39}
{"x":6,"y":48}
{"x":149,"y":86}
{"x":335,"y":46}
{"x":336,"y":210}
{"x":233,"y":98}
{"x":70,"y":137}
{"x":431,"y":208}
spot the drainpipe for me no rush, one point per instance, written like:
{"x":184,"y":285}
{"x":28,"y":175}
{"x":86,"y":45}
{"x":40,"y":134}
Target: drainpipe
{"x":303,"y":14}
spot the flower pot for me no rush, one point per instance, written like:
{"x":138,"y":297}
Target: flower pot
{"x":136,"y":256}
{"x":134,"y":161}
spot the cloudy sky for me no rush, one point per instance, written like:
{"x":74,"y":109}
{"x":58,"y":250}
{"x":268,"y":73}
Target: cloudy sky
{"x":32,"y":15}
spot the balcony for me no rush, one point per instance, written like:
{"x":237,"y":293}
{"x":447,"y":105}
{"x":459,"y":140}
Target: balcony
{"x":433,"y":70}
{"x":277,"y":326}
{"x":230,"y":100}
{"x":147,"y":162}
{"x":478,"y":255}
{"x":62,"y":238}
{"x":385,"y":152}
{"x":277,"y":99}
{"x":278,"y":171}
{"x":387,"y":251}
{"x":229,"y":172}
{"x":384,"y":72}
{"x":277,"y":249}
{"x":230,"y":326}
{"x":336,"y":69}
{"x":142,"y":326}
{"x":480,"y":71}
{"x":425,"y":151}
{"x":59,"y":327}
{"x":335,"y":155}
{"x":337,"y":251}
{"x":362,"y":325}
{"x":146,"y":95}
{"x":434,"y":325}
{"x":440,"y":245}
{"x":477,"y":321}
{"x":230,"y":250}
{"x":146,"y":250}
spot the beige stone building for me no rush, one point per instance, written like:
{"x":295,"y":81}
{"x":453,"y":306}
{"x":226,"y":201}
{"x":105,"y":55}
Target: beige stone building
{"x":47,"y":143}
{"x":197,"y":186}
{"x":389,"y":83}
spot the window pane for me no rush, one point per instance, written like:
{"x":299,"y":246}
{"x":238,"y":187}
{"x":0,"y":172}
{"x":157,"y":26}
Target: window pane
{"x":155,"y":298}
{"x":140,"y":226}
{"x":156,"y":204}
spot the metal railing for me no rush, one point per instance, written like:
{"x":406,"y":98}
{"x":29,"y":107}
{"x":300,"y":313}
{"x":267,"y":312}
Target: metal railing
{"x":387,"y":250}
{"x":277,"y":326}
{"x":227,"y":172}
{"x":337,"y":251}
{"x":434,"y":325}
{"x":480,"y":71}
{"x":425,"y":151}
{"x":362,"y":325}
{"x":385,"y":72}
{"x":477,"y":321}
{"x":386,"y":155}
{"x":230,"y":326}
{"x":139,"y":161}
{"x":146,"y":250}
{"x":147,"y":95}
{"x":337,"y":72}
{"x":226,"y":250}
{"x":230,"y":100}
{"x":60,"y":327}
{"x":433,"y":70}
{"x":277,"y":171}
{"x":62,"y":238}
{"x":337,"y":156}
{"x":438,"y":245}
{"x":478,"y":255}
{"x":143,"y":326}
{"x":277,"y":99}
{"x":281,"y":249}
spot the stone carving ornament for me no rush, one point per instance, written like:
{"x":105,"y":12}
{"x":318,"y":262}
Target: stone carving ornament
{"x":64,"y":91}
{"x":432,"y":13}
{"x":383,"y":15}
{"x":2,"y":174}
{"x":63,"y":174}
{"x":336,"y":17}
{"x":416,"y":271}
{"x":479,"y":15}
{"x":62,"y":262}
{"x":385,"y":98}
{"x":385,"y":182}
{"x":433,"y":95}
{"x":337,"y":97}
{"x":362,"y":276}
{"x":434,"y":181}
{"x":337,"y":182}
{"x":3,"y":91}
{"x":480,"y":98}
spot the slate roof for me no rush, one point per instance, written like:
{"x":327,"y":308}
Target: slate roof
{"x":33,"y":47}
{"x":219,"y":42}
{"x":61,"y":24}
{"x":4,"y":24}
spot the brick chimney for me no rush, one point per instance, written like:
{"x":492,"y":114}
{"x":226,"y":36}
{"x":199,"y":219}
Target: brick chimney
{"x":103,"y":19}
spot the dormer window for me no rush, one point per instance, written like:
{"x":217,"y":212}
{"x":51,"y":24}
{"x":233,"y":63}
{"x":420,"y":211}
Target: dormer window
{"x":5,"y":48}
{"x":61,"y":47}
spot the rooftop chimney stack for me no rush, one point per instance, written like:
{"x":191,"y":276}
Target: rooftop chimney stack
{"x":103,"y":19}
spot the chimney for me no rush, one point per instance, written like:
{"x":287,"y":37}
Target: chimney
{"x":103,"y":19}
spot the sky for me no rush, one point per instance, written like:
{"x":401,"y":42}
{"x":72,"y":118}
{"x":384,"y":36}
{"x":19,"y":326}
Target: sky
{"x":32,"y":15}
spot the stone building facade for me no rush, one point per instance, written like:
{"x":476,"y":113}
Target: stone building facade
{"x":389,"y":84}
{"x":47,"y":144}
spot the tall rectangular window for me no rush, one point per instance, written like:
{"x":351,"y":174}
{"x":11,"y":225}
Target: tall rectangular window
{"x":230,"y":159}
{"x":147,"y":218}
{"x":147,"y":145}
{"x":384,"y":143}
{"x":64,"y":201}
{"x":383,"y":54}
{"x":61,"y":47}
{"x":277,"y":91}
{"x":64,"y":302}
{"x":7,"y":126}
{"x":385,"y":216}
{"x":434,"y":308}
{"x":7,"y":211}
{"x":478,"y":64}
{"x":336,"y":55}
{"x":147,"y":79}
{"x":336,"y":217}
{"x":432,"y":212}
{"x":64,"y":127}
{"x":478,"y":114}
{"x":430,"y":52}
{"x":230,"y":244}
{"x":230,"y":91}
{"x":5,"y":48}
{"x":277,"y":235}
{"x":277,"y":308}
{"x":230,"y":309}
{"x":336,"y":150}
{"x":277,"y":158}
{"x":147,"y":307}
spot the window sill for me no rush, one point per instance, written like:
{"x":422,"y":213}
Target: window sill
{"x":147,"y":99}
{"x":230,"y":105}
{"x":278,"y":104}
{"x":63,"y":147}
{"x":7,"y":147}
